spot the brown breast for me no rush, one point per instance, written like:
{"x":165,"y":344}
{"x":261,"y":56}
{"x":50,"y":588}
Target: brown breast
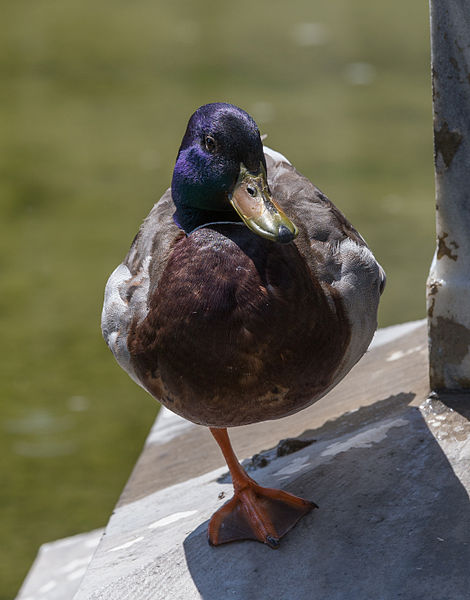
{"x":238,"y":330}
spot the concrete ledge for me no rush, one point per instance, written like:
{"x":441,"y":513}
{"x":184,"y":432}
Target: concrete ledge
{"x":59,"y":567}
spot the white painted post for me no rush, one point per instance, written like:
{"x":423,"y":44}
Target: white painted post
{"x":448,"y":288}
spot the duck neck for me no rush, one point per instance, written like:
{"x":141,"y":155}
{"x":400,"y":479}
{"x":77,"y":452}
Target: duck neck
{"x":189,"y":218}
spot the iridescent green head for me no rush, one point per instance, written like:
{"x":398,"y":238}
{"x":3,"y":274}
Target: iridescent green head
{"x":220,"y":175}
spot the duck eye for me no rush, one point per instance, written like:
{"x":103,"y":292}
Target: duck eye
{"x":209,"y":143}
{"x":251,"y":190}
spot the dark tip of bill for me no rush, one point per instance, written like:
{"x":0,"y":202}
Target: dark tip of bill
{"x":273,"y":542}
{"x":284,"y":235}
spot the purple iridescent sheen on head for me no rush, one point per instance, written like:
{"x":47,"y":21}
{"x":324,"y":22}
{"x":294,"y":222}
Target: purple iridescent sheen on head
{"x":204,"y":175}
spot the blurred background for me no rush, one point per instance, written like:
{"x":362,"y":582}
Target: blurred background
{"x":94,"y":100}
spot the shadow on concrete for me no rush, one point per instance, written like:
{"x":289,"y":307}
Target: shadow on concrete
{"x":394,"y":520}
{"x":457,"y":401}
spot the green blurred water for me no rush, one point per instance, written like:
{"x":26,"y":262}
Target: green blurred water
{"x":94,"y":99}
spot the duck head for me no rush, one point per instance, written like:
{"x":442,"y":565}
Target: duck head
{"x":220,"y":175}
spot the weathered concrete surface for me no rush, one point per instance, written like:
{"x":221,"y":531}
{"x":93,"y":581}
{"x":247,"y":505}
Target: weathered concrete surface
{"x":449,"y":278}
{"x":59,"y":567}
{"x":388,"y":467}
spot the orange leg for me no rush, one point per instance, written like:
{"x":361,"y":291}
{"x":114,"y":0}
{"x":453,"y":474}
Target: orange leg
{"x":254,"y":512}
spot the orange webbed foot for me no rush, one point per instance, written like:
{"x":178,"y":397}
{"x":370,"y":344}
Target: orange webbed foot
{"x":254,"y":512}
{"x":257,"y":513}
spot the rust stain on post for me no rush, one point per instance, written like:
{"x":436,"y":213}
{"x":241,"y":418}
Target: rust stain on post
{"x":446,"y":143}
{"x":443,"y":249}
{"x":454,"y":344}
{"x":433,"y":288}
{"x":455,"y":341}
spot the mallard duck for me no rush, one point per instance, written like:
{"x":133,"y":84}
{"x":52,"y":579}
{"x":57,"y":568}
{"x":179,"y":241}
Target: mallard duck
{"x":245,"y":296}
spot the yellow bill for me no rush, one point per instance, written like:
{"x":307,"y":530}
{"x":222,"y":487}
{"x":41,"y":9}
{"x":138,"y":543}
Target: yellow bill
{"x":252,"y":200}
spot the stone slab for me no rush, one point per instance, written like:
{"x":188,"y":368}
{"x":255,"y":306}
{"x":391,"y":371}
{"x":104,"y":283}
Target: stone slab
{"x":59,"y":567}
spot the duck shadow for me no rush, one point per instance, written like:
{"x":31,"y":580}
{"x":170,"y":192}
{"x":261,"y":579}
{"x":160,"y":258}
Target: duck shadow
{"x":394,"y":520}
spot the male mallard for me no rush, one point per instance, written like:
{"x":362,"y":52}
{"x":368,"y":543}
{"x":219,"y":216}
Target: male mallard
{"x":219,"y":314}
